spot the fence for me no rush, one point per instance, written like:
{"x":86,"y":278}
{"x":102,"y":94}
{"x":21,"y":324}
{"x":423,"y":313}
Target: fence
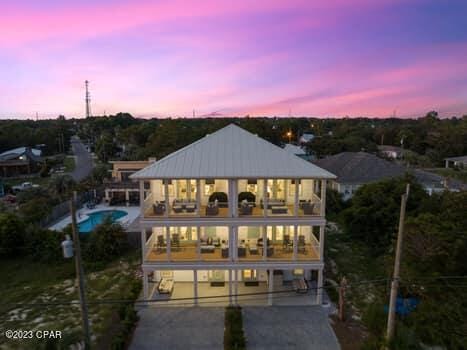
{"x":63,"y":209}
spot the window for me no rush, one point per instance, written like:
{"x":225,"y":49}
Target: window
{"x":208,"y":189}
{"x":292,"y":187}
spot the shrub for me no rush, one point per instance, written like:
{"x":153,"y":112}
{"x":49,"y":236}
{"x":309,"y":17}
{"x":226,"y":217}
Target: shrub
{"x":234,"y":337}
{"x":43,"y":245}
{"x":107,"y":242}
{"x":11,"y":235}
{"x":250,"y":197}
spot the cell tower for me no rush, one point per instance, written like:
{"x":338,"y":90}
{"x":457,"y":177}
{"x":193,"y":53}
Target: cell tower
{"x":88,"y":100}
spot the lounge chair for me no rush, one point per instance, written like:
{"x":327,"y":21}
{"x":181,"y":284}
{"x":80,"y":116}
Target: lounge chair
{"x":287,"y":244}
{"x":160,"y":244}
{"x":212,"y":209}
{"x":175,"y":242}
{"x":301,"y":244}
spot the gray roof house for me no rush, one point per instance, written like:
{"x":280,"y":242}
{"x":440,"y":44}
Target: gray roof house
{"x":457,"y":161}
{"x":354,"y":169}
{"x":19,"y":161}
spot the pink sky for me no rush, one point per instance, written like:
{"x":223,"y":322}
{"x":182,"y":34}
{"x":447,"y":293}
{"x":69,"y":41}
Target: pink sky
{"x":269,"y":57}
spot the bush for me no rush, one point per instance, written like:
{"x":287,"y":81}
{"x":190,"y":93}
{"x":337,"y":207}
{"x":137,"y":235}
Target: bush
{"x":43,"y":245}
{"x":250,"y":197}
{"x":220,"y":196}
{"x":107,"y":242}
{"x":11,"y":235}
{"x":234,"y":337}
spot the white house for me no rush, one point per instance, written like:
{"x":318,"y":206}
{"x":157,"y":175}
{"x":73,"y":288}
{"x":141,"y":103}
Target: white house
{"x":235,"y":211}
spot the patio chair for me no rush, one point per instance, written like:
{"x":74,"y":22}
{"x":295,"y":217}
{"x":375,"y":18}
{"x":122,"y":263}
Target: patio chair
{"x":287,"y":243}
{"x":308,"y":208}
{"x":160,"y":244}
{"x":212,"y":209}
{"x":159,"y":208}
{"x":175,"y":242}
{"x":301,"y":244}
{"x":246,"y":209}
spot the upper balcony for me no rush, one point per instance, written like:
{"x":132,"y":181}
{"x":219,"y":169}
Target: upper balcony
{"x":233,"y":198}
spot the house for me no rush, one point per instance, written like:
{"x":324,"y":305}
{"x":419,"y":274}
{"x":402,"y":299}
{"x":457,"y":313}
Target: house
{"x":2,"y":189}
{"x":392,"y":152}
{"x":354,"y":169}
{"x":230,"y":212}
{"x":120,"y":188}
{"x":20,"y":161}
{"x":305,"y":138}
{"x":456,"y":161}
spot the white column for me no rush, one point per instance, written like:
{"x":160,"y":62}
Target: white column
{"x":234,"y":198}
{"x":319,"y":290}
{"x":141,"y":197}
{"x":230,"y":287}
{"x":198,"y":243}
{"x":296,"y":201}
{"x":265,"y":242}
{"x":265,"y":197}
{"x":233,"y":246}
{"x":323,"y":198}
{"x":198,"y":197}
{"x":195,"y":286}
{"x":236,"y":286}
{"x":145,"y":285}
{"x":230,"y":197}
{"x":167,"y":239}
{"x":270,"y":286}
{"x":143,"y":245}
{"x":321,"y":242}
{"x":166,"y":199}
{"x":127,"y":197}
{"x":295,"y":242}
{"x":188,"y":189}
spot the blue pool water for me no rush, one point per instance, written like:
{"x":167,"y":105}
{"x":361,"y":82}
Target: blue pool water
{"x":98,"y":217}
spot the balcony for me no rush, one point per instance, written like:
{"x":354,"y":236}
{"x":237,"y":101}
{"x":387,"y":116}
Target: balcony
{"x":220,"y":198}
{"x":281,"y":244}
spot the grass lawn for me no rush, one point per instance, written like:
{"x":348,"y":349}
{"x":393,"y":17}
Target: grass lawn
{"x":31,"y":282}
{"x":69,"y":164}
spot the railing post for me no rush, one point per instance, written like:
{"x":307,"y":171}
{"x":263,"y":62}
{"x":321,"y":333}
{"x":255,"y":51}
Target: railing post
{"x":323,"y":198}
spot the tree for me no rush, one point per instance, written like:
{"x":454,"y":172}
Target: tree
{"x":61,"y":186}
{"x":106,"y":242}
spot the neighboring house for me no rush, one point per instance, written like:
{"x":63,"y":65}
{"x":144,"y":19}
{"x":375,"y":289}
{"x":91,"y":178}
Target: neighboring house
{"x":392,"y":152}
{"x":229,"y":212}
{"x":354,"y":169}
{"x":2,"y":189}
{"x":20,"y":161}
{"x":298,"y":151}
{"x":305,"y":138}
{"x":456,"y":161}
{"x":434,"y":183}
{"x":120,"y":189}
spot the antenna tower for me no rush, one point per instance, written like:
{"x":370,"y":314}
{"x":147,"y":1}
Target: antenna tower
{"x":88,"y":100}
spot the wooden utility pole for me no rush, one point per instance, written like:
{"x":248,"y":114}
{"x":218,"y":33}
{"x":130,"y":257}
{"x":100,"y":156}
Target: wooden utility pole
{"x":342,"y":287}
{"x":395,"y":279}
{"x":80,"y":274}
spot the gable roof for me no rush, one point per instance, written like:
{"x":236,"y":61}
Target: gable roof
{"x":231,"y":152}
{"x":360,"y":167}
{"x":32,"y":153}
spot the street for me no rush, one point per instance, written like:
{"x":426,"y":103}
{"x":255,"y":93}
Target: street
{"x":84,"y":163}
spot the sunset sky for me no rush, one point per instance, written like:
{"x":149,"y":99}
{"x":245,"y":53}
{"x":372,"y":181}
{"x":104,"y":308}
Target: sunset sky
{"x":262,"y":57}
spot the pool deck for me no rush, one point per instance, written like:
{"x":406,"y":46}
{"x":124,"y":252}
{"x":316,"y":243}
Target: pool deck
{"x":82,"y":214}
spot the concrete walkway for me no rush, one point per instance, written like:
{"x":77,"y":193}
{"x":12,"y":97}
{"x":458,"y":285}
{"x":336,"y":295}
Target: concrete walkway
{"x":288,"y":327}
{"x":178,"y":328}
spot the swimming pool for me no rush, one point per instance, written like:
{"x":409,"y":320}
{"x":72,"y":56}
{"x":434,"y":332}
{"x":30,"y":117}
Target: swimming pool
{"x":98,"y":217}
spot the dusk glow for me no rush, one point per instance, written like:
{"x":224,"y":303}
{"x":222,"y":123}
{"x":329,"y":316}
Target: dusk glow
{"x":263,"y":57}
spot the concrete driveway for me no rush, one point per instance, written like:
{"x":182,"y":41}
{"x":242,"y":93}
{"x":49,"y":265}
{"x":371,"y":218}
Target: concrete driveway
{"x":84,"y":163}
{"x":288,"y":327}
{"x":179,"y":328}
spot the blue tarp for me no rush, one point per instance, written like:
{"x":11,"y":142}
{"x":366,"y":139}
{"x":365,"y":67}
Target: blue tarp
{"x":405,"y":306}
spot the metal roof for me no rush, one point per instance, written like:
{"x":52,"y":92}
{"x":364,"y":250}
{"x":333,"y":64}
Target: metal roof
{"x":293,"y":149}
{"x":17,"y":152}
{"x":231,"y":152}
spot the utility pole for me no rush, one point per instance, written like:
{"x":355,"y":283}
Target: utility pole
{"x":397,"y":262}
{"x":80,"y":274}
{"x":87,"y":100}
